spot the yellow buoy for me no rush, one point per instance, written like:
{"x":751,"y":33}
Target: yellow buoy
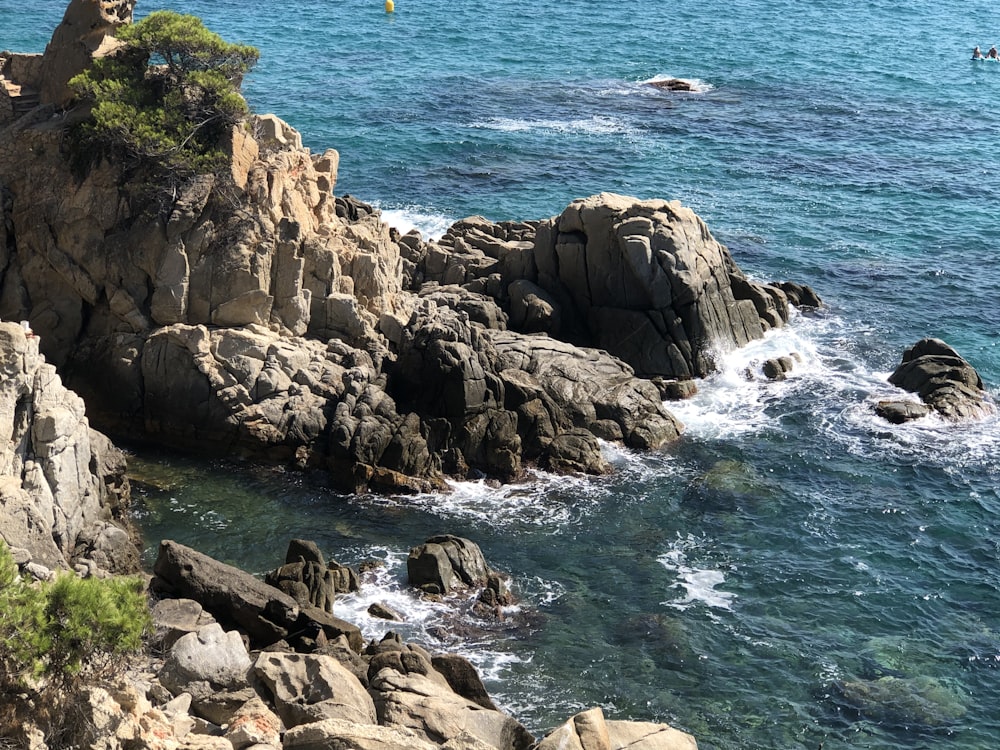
{"x":390,"y":6}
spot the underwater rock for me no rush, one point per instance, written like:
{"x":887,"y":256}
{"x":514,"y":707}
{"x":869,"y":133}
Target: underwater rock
{"x":728,"y":484}
{"x":903,"y":701}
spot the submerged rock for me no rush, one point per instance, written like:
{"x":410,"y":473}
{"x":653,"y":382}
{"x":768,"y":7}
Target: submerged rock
{"x":904,"y":701}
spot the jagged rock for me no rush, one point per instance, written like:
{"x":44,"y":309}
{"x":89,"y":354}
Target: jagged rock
{"x":311,"y":687}
{"x":443,"y":562}
{"x":308,"y":583}
{"x":944,"y":381}
{"x":435,"y":713}
{"x":799,"y":295}
{"x":463,"y":678}
{"x":575,"y":451}
{"x":590,"y":731}
{"x":86,"y":32}
{"x":652,"y":268}
{"x":555,"y":387}
{"x":675,"y":390}
{"x":533,"y":310}
{"x":340,"y":649}
{"x":61,"y":483}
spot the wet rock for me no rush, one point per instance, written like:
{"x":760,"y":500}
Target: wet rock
{"x":675,"y":390}
{"x":777,"y":368}
{"x":673,"y":84}
{"x":444,"y":562}
{"x":944,"y":381}
{"x":384,"y":612}
{"x":900,"y":412}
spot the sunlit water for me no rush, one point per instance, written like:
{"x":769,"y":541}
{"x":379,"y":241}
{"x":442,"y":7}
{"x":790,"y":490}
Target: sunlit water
{"x":790,"y":540}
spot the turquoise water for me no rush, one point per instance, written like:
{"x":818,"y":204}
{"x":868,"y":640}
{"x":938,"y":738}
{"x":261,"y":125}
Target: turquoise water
{"x":790,"y":540}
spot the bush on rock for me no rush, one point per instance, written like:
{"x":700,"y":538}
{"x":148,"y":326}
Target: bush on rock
{"x":168,"y":98}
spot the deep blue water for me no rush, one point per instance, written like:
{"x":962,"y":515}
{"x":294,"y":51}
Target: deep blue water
{"x":790,"y":540}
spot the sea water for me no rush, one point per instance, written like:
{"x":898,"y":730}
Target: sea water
{"x":791,"y":541}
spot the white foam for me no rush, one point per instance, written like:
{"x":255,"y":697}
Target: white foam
{"x":834,"y":383}
{"x":426,"y":622}
{"x":431,"y":226}
{"x":699,"y":584}
{"x":733,"y":402}
{"x":596,"y":125}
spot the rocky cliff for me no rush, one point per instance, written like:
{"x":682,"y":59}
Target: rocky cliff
{"x":63,"y":488}
{"x":254,"y":313}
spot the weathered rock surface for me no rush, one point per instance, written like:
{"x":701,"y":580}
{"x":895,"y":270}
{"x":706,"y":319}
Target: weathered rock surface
{"x":62,"y":485}
{"x":444,"y":562}
{"x":210,"y":655}
{"x":239,"y":600}
{"x":436,"y":714}
{"x":943,"y":379}
{"x":609,"y":264}
{"x":589,"y":730}
{"x":312,"y":687}
{"x":340,"y":734}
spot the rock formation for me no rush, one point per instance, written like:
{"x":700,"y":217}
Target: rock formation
{"x":63,"y":489}
{"x":945,"y":382}
{"x":254,"y":313}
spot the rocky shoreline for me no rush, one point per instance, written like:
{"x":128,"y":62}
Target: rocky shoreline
{"x":260,"y":315}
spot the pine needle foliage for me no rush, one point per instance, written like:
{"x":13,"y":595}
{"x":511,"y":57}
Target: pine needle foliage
{"x":167,"y":99}
{"x":53,"y":633}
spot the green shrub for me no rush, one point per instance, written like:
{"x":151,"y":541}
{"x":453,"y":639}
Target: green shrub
{"x":165,"y":101}
{"x":55,"y":632}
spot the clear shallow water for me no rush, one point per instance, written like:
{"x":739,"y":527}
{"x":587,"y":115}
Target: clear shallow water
{"x":790,"y":539}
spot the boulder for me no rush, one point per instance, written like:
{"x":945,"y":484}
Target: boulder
{"x":212,"y":656}
{"x":437,"y":714}
{"x":903,"y":701}
{"x":463,"y":678}
{"x":254,"y":724}
{"x":944,"y":380}
{"x":233,"y":597}
{"x":175,"y":618}
{"x":312,"y":687}
{"x":445,"y":562}
{"x":589,"y":730}
{"x":348,"y":735}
